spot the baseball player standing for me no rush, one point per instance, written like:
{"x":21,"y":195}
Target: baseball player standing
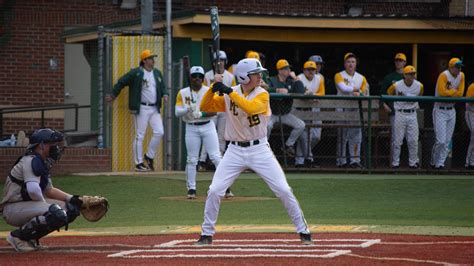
{"x":406,"y":122}
{"x":450,"y":84}
{"x":400,"y":61}
{"x":199,"y":127}
{"x":470,"y":123}
{"x":313,"y":82}
{"x":146,"y":89}
{"x":30,"y":201}
{"x":349,"y":83}
{"x":247,"y":112}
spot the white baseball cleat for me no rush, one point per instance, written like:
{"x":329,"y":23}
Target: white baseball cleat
{"x":20,"y":245}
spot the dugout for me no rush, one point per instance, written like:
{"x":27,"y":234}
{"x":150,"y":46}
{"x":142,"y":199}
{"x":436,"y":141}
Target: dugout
{"x":428,"y":43}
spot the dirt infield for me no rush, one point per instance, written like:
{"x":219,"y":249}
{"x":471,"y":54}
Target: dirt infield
{"x":248,"y":248}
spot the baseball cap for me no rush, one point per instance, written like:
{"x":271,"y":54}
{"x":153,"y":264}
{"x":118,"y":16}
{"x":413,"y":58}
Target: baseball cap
{"x":196,"y":70}
{"x":282,"y":63}
{"x":146,"y":54}
{"x":409,"y":69}
{"x":349,"y":55}
{"x":316,"y":59}
{"x":455,"y":62}
{"x":309,"y":64}
{"x":253,"y":54}
{"x":400,"y":56}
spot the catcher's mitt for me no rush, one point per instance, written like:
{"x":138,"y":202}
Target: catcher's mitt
{"x":94,"y":207}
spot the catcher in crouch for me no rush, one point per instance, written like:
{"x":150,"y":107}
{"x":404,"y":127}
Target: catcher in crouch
{"x":32,"y":203}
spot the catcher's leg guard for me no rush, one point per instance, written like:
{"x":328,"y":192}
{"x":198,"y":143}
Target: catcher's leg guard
{"x":42,"y":225}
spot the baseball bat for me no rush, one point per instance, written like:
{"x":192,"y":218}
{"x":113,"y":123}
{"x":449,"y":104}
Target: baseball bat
{"x":214,"y":13}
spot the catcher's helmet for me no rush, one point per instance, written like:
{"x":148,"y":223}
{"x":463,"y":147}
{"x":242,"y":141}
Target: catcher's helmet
{"x":45,"y":135}
{"x":248,"y":66}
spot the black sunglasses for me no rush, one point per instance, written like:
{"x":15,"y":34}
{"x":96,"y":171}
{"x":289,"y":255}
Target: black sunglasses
{"x":195,"y":76}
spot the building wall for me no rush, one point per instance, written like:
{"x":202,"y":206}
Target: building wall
{"x":32,"y":37}
{"x":73,"y":160}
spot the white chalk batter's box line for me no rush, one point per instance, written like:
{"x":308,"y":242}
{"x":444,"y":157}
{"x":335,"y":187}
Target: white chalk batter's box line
{"x":224,"y":248}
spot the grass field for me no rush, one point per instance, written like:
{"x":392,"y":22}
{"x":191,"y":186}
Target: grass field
{"x":325,"y":199}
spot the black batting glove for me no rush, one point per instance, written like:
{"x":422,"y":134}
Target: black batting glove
{"x":216,"y":86}
{"x":225,"y":89}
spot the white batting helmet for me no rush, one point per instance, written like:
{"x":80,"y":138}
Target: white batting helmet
{"x":247,"y":66}
{"x":222,"y":56}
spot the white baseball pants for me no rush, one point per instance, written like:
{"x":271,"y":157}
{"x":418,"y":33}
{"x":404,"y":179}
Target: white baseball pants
{"x":405,"y":125}
{"x":470,"y":151}
{"x":196,"y":135}
{"x":262,"y":161}
{"x":444,"y":122}
{"x":290,"y":120}
{"x":147,"y":115}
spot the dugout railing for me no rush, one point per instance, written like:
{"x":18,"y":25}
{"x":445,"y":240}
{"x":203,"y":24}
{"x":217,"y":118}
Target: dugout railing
{"x":369,"y":116}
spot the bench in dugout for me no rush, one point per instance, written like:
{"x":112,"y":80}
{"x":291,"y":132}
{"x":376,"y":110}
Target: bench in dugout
{"x":333,"y":115}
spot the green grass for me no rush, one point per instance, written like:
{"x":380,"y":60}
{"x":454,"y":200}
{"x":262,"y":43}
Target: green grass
{"x":135,"y":201}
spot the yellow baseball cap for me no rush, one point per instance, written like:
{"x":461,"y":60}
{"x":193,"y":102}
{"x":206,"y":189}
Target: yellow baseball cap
{"x":409,"y":70}
{"x":309,"y":64}
{"x":400,"y":56}
{"x":282,"y":63}
{"x":348,"y":55}
{"x":455,"y":62}
{"x":253,"y":54}
{"x":146,"y":54}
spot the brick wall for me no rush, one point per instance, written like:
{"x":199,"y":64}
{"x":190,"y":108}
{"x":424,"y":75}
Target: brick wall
{"x":74,"y":160}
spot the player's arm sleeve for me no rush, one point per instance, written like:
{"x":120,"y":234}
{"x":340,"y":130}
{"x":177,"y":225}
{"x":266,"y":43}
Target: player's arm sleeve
{"x":391,"y":89}
{"x":339,"y":80}
{"x":34,"y":191}
{"x":460,"y":90}
{"x":162,"y":87}
{"x":470,"y":91}
{"x":206,"y":81}
{"x":272,"y":85}
{"x":441,"y":84}
{"x":180,"y":109}
{"x":422,"y":89}
{"x":363,"y":87}
{"x":123,"y":81}
{"x":322,"y":89}
{"x":212,"y":102}
{"x":257,"y":105}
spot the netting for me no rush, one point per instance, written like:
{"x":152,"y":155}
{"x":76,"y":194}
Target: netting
{"x":126,"y":55}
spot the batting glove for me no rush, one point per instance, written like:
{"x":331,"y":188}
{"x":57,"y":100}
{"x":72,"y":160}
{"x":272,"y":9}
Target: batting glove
{"x":197,"y":114}
{"x":192,"y":107}
{"x":220,"y":87}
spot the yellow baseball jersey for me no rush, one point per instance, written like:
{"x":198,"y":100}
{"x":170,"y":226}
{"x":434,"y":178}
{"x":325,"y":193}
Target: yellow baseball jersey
{"x":185,"y":97}
{"x":449,"y":86}
{"x":247,"y":115}
{"x":399,"y":88}
{"x":228,"y":79}
{"x":345,"y":83}
{"x":314,"y":86}
{"x":470,"y":94}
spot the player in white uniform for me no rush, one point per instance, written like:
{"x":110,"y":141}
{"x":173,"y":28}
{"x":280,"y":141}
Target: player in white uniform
{"x":470,"y":124}
{"x":450,"y":84}
{"x":199,"y":127}
{"x":406,"y":122}
{"x":219,"y":119}
{"x":146,"y":89}
{"x":247,"y":109}
{"x":350,"y":83}
{"x":313,"y":82}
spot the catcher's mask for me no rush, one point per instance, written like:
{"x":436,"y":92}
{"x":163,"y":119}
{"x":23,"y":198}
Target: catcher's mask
{"x":47,"y":136}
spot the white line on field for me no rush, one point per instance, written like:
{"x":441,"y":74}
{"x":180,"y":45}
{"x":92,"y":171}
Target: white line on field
{"x":401,"y":259}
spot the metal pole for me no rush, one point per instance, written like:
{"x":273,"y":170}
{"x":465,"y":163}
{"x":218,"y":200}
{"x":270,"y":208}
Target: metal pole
{"x":169,"y":147}
{"x":108,"y":85}
{"x":147,"y":15}
{"x":100,"y":56}
{"x":369,"y":137}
